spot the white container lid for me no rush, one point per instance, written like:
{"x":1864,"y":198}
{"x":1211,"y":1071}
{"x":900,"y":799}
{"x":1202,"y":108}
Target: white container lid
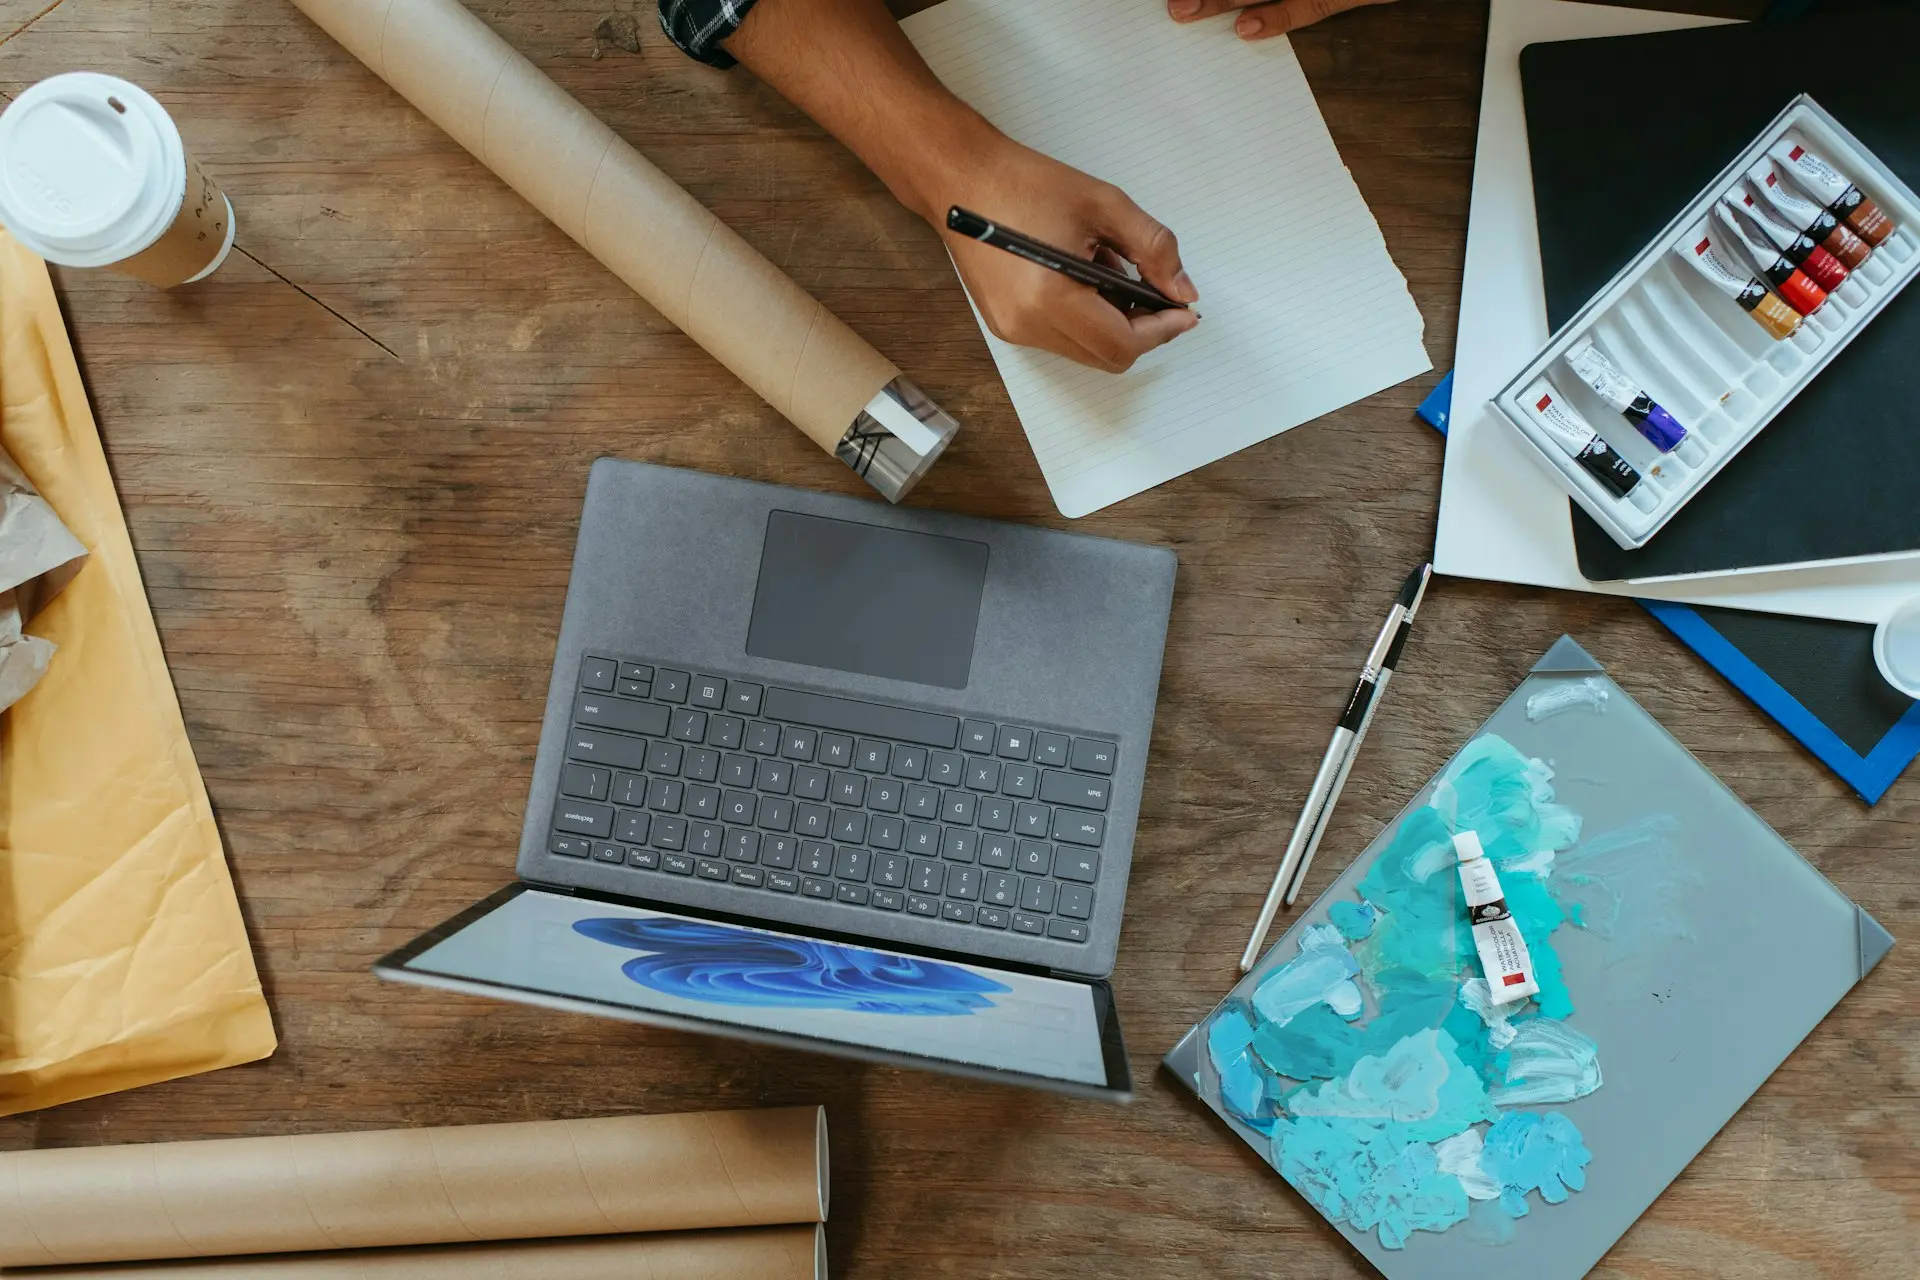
{"x":92,"y":169}
{"x":1896,"y":648}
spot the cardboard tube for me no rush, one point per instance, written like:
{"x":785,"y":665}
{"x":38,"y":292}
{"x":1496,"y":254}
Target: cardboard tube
{"x":413,"y":1186}
{"x":752,"y":1253}
{"x":847,"y":397}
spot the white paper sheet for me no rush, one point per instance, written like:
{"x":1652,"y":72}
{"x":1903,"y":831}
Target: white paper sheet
{"x":1221,"y":140}
{"x":1501,"y":517}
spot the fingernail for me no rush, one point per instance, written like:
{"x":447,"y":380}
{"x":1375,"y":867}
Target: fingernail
{"x":1183,"y":9}
{"x":1248,"y":24}
{"x":1183,"y":288}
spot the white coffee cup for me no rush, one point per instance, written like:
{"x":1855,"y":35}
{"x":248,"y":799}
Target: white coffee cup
{"x":93,"y":174}
{"x":1896,"y":648}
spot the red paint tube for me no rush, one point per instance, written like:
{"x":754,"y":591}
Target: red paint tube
{"x":1789,"y":281}
{"x":1820,"y":225}
{"x":1798,"y":248}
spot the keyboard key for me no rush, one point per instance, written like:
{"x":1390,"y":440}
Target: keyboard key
{"x":1076,"y":901}
{"x":816,"y":858}
{"x":1020,"y":780}
{"x":1037,"y":895}
{"x":849,"y":826}
{"x":776,"y":813}
{"x":871,"y":756}
{"x":690,"y":726}
{"x":816,"y":888}
{"x":1001,"y":889}
{"x":888,"y":899}
{"x":633,"y":688}
{"x":798,"y":744}
{"x":920,"y":906}
{"x":1079,"y":828}
{"x":1029,"y":924}
{"x":738,"y":807}
{"x":749,"y":876}
{"x":1051,"y":749}
{"x":743,"y":846}
{"x":836,"y":750}
{"x":1032,"y":820}
{"x":991,"y":918}
{"x":1075,"y":789}
{"x":1090,"y":755}
{"x":884,"y":795}
{"x":646,"y":859}
{"x":678,"y":864}
{"x":1067,"y":930}
{"x":849,"y":789}
{"x":609,"y":749}
{"x":958,"y":912}
{"x":963,"y":882}
{"x":996,"y":851}
{"x":1035,"y":859}
{"x":671,"y":686}
{"x":810,"y":783}
{"x":726,"y":732}
{"x":664,"y":758}
{"x":775,"y":776}
{"x":780,"y":881}
{"x":598,"y":674}
{"x":923,"y":837}
{"x":710,"y":692}
{"x":855,"y":893}
{"x":601,"y":711}
{"x":763,"y":738}
{"x":705,"y":838}
{"x":1079,"y":865}
{"x":702,"y":765}
{"x":995,"y":814}
{"x":957,"y":844}
{"x":852,"y":864}
{"x":1015,"y":744}
{"x":779,"y":852}
{"x":885,"y":832}
{"x":637,"y":672}
{"x":570,"y":846}
{"x":812,"y":820}
{"x":922,"y":802}
{"x":585,"y":782}
{"x":584,"y":819}
{"x":983,"y":775}
{"x":669,"y":833}
{"x":978,"y":736}
{"x":701,"y":802}
{"x":632,"y":827}
{"x":862,"y":718}
{"x":927,"y":877}
{"x":958,"y":806}
{"x":737,"y":771}
{"x":629,"y":789}
{"x":945,"y":769}
{"x":889,"y":870}
{"x":910,"y":762}
{"x":743,"y":698}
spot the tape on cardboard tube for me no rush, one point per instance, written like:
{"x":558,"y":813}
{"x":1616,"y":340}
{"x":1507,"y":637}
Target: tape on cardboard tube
{"x":312,"y":1192}
{"x":646,"y":229}
{"x":763,"y":1253}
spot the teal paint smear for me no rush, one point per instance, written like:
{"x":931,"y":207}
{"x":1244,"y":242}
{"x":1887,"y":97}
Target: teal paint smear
{"x":1229,"y":1032}
{"x":1547,"y":1061}
{"x":1630,"y":888}
{"x":1419,"y":1084}
{"x":1354,"y":920}
{"x":1525,"y":1151}
{"x":1320,"y":974}
{"x":1320,"y":1044}
{"x":1370,"y":1175}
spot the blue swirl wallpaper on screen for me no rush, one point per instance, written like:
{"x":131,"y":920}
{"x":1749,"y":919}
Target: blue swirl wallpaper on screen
{"x":720,"y":964}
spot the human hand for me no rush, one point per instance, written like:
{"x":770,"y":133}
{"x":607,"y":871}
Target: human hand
{"x":1258,"y":20}
{"x":1034,"y":307}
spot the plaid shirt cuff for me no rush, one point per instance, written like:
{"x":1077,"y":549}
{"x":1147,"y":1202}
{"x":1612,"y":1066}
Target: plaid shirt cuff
{"x":698,"y":26}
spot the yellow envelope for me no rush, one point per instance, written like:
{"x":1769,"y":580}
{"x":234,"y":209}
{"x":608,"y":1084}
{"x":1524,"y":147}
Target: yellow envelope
{"x":123,"y":959}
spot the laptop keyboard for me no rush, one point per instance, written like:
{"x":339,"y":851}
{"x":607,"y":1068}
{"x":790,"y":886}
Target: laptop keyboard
{"x":871,"y":806}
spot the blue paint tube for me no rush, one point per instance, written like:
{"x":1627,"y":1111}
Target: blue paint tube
{"x":1662,"y":430}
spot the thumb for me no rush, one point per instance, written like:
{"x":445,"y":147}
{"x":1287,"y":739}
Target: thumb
{"x":1146,"y":243}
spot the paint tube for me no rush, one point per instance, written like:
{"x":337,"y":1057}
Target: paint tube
{"x":1797,"y":247}
{"x":1789,"y":281}
{"x":1591,"y":365}
{"x":1820,"y":225}
{"x":1566,"y":428}
{"x":1503,"y":951}
{"x":1832,"y":189}
{"x":1701,"y":251}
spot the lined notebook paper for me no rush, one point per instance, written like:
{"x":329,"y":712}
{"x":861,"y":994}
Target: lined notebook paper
{"x":1303,"y":310}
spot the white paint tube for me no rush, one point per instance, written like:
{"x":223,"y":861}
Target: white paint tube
{"x":1503,"y":952}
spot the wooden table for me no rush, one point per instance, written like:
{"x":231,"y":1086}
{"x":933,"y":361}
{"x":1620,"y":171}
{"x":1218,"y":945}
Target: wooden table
{"x":352,"y":464}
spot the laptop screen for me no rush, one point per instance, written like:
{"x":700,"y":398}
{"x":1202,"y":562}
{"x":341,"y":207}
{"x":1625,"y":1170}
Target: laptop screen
{"x":681,"y":969}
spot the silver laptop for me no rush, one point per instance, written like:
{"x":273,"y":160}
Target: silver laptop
{"x":830,"y":774}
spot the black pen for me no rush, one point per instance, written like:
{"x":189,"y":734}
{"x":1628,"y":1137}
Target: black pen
{"x":1121,"y":290}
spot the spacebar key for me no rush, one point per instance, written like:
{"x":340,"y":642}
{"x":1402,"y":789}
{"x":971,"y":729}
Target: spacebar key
{"x":867,"y":718}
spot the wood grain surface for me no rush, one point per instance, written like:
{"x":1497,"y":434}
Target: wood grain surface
{"x":352,"y":464}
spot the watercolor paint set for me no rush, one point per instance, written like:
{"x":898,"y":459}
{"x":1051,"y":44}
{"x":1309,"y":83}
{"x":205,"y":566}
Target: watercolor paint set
{"x":1533,"y":998}
{"x":1700,"y":341}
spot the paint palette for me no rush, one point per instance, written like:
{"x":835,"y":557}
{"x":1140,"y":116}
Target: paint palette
{"x":1699,"y":342}
{"x":1451,"y":1137}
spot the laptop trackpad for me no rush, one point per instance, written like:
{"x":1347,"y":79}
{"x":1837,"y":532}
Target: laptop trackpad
{"x":863,"y":599}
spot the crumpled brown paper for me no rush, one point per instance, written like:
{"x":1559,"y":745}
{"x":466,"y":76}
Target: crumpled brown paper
{"x":123,"y":959}
{"x":38,"y":556}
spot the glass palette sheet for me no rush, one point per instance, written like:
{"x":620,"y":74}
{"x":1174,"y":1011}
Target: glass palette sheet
{"x":1449,"y":1136}
{"x":1699,"y":342}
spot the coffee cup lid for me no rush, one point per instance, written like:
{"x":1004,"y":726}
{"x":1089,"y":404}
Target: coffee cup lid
{"x":1896,"y":648}
{"x":91,"y":168}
